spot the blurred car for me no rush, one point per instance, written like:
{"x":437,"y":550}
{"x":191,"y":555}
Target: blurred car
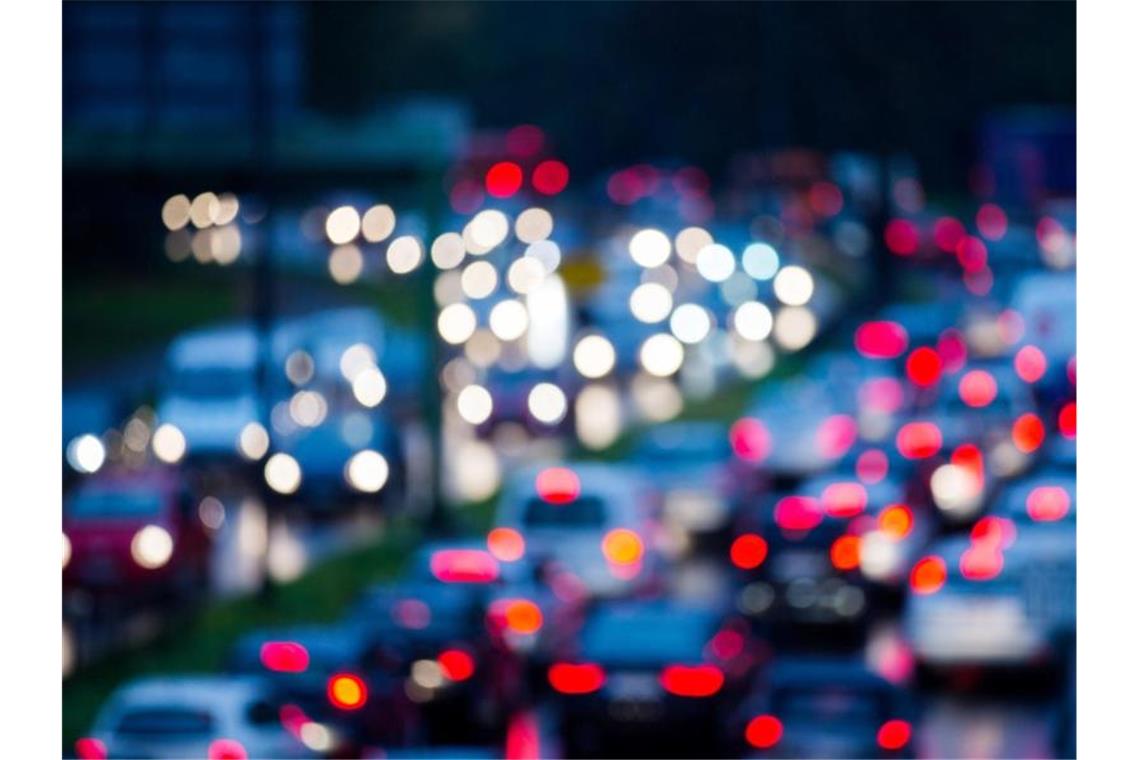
{"x":995,"y":600}
{"x":135,"y":531}
{"x":651,"y":677}
{"x":209,"y":389}
{"x":339,"y":678}
{"x":691,"y":464}
{"x":591,"y":521}
{"x":798,"y":570}
{"x":344,"y":460}
{"x":824,"y":707}
{"x":193,"y":716}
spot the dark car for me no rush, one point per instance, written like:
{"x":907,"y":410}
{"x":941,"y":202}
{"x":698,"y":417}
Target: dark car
{"x":340,"y":677}
{"x":137,"y":531}
{"x":824,"y":707}
{"x":651,"y":677}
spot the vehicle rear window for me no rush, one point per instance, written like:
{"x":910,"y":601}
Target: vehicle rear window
{"x":162,"y":721}
{"x":831,"y":704}
{"x":585,"y":511}
{"x":114,"y":503}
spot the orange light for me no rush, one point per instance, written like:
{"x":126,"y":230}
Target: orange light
{"x":1028,"y":433}
{"x":748,"y":551}
{"x":522,"y":616}
{"x":622,"y":546}
{"x":580,"y":678}
{"x":764,"y":731}
{"x":456,"y":664}
{"x":558,"y":485}
{"x":845,"y":553}
{"x":896,"y":520}
{"x":844,"y":499}
{"x":347,"y":691}
{"x":928,"y":575}
{"x":691,"y":681}
{"x":506,"y":544}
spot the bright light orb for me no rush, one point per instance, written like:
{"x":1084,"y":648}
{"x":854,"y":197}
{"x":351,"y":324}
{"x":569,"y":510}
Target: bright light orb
{"x":650,"y":248}
{"x":168,"y":443}
{"x":283,"y":473}
{"x":369,"y":387}
{"x":650,"y":303}
{"x":547,"y":403}
{"x":760,"y":261}
{"x":752,"y":320}
{"x":509,"y":319}
{"x":342,"y":225}
{"x":152,"y":547}
{"x":404,"y":254}
{"x":794,"y":286}
{"x":661,"y":355}
{"x":715,"y":263}
{"x":474,"y":404}
{"x":86,"y":453}
{"x":594,"y":356}
{"x":690,"y":323}
{"x":456,"y":323}
{"x":367,"y":471}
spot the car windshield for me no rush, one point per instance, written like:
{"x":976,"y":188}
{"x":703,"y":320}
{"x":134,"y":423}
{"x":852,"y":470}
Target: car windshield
{"x":583,"y":512}
{"x":212,"y":382}
{"x":94,"y":504}
{"x":166,"y":721}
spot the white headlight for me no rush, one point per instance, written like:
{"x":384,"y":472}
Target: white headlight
{"x":367,"y":471}
{"x":152,"y":547}
{"x":86,"y":453}
{"x":168,"y":443}
{"x":282,"y":473}
{"x":66,"y":550}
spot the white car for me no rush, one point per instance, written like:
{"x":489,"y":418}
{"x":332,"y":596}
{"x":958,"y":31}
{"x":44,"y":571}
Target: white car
{"x":210,"y":389}
{"x":591,"y":520}
{"x":194,"y":716}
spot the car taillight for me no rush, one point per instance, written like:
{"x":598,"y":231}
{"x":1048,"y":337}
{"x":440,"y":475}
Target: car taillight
{"x":89,"y":748}
{"x":845,"y":553}
{"x":764,"y":731}
{"x":456,"y":664}
{"x":798,"y":513}
{"x":284,"y":656}
{"x":518,"y":615}
{"x":464,"y":566}
{"x":347,"y":691}
{"x":576,"y":678}
{"x":748,"y":551}
{"x":692,"y":681}
{"x":226,"y":749}
{"x":894,"y":734}
{"x":928,"y":575}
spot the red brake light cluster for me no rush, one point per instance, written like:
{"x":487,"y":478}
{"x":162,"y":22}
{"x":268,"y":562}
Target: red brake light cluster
{"x":284,"y":656}
{"x":464,"y":566}
{"x":576,"y":678}
{"x":748,"y":551}
{"x":764,"y":731}
{"x":894,"y":734}
{"x":691,"y":681}
{"x":881,"y":340}
{"x":798,"y":513}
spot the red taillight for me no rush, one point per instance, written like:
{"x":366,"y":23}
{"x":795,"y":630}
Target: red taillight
{"x":981,"y":562}
{"x":504,"y":179}
{"x":996,"y":532}
{"x":1030,"y":364}
{"x":557,"y":485}
{"x":692,"y":680}
{"x":896,"y":520}
{"x":90,"y":748}
{"x":845,"y":553}
{"x":928,"y":575}
{"x":844,"y":499}
{"x":880,"y":340}
{"x":464,"y":566}
{"x":750,"y":439}
{"x":764,"y":731}
{"x":748,"y":551}
{"x":576,"y":678}
{"x":550,"y":177}
{"x":1067,"y":420}
{"x":894,"y":734}
{"x":872,"y":466}
{"x":798,"y":513}
{"x":347,"y":691}
{"x":226,"y":749}
{"x":919,"y":440}
{"x":924,"y":367}
{"x":284,"y":657}
{"x":1028,"y":433}
{"x":977,"y":388}
{"x":456,"y":664}
{"x":1047,"y":503}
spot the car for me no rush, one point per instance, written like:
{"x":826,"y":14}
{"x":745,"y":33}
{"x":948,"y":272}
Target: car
{"x":591,"y":521}
{"x":797,"y":570}
{"x":182,"y":716}
{"x":651,"y":676}
{"x":209,"y":389}
{"x":823,"y":707}
{"x":136,"y":531}
{"x":692,"y":466}
{"x":990,"y":601}
{"x":344,"y":460}
{"x":339,"y":676}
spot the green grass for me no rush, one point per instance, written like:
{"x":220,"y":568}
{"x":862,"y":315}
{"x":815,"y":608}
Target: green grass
{"x":199,"y":644}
